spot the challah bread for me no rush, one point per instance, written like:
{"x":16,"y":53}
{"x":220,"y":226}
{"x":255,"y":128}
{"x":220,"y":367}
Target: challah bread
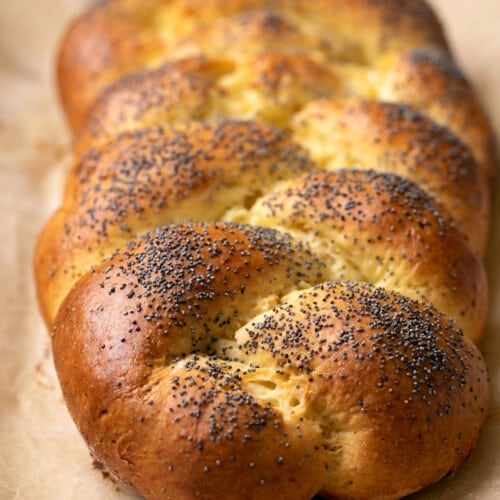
{"x":336,"y":132}
{"x":265,"y":277}
{"x":213,"y":171}
{"x":398,"y":56}
{"x":343,"y":389}
{"x":117,"y":37}
{"x":383,"y":230}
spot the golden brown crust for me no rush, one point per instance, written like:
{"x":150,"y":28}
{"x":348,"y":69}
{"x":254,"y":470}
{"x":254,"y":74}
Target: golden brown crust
{"x":413,"y":63}
{"x":379,"y":368}
{"x":431,"y":82}
{"x":381,"y":229}
{"x":222,"y":170}
{"x":280,"y":91}
{"x":176,"y":427}
{"x":118,"y":37}
{"x":176,"y":91}
{"x":319,"y":340}
{"x":213,"y":279}
{"x":269,"y":87}
{"x":396,"y":139}
{"x":152,"y":177}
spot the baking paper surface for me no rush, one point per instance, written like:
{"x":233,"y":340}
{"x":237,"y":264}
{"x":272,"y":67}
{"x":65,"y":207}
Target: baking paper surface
{"x":41,"y":454}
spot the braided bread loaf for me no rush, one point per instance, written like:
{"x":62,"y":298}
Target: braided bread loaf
{"x":265,"y":278}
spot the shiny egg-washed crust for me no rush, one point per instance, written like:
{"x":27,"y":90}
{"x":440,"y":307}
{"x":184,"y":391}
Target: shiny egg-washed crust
{"x":212,"y":171}
{"x":338,"y":379}
{"x":399,"y":56}
{"x":344,"y":132}
{"x":265,"y":278}
{"x":117,"y":37}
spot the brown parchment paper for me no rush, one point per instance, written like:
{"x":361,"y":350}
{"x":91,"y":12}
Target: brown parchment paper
{"x":41,"y":454}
